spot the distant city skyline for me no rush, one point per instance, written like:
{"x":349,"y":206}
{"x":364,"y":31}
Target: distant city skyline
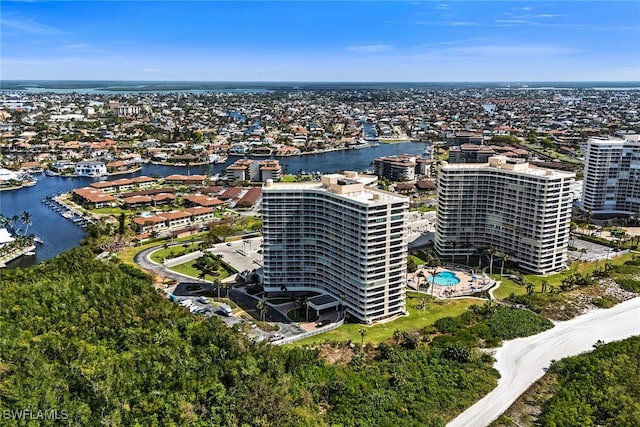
{"x":331,"y":41}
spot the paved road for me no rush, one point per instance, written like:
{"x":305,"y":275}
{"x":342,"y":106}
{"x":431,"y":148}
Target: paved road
{"x":522,"y":361}
{"x":286,"y":327}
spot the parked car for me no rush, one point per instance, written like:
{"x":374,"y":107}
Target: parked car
{"x":323,"y":322}
{"x":275,"y":337}
{"x":186,"y":303}
{"x":225,"y":310}
{"x":203,"y":300}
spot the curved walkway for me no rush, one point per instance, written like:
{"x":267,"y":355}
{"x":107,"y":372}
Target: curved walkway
{"x":522,"y":361}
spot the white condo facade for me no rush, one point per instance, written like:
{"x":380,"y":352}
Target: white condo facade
{"x":612,"y":176}
{"x":518,"y":209}
{"x":339,"y":237}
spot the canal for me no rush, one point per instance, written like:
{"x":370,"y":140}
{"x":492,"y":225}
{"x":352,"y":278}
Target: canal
{"x":59,"y":234}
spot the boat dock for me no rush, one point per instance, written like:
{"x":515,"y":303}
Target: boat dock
{"x":68,"y":212}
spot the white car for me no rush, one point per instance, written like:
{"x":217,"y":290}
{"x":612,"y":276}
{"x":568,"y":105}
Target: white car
{"x":203,"y":300}
{"x":186,"y":303}
{"x":275,"y":337}
{"x":194,"y":308}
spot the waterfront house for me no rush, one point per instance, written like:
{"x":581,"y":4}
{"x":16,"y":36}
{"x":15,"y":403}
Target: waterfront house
{"x":287,"y":150}
{"x":185,"y":180}
{"x":270,"y":170}
{"x":243,"y":170}
{"x":144,"y":181}
{"x":91,"y":168}
{"x":93,"y":197}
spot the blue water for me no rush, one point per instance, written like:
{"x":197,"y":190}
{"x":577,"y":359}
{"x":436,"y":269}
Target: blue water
{"x":444,"y":278}
{"x":60,"y":234}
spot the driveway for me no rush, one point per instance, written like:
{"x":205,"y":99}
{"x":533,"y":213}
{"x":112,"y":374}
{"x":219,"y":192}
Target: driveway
{"x":522,"y":361}
{"x":250,"y":258}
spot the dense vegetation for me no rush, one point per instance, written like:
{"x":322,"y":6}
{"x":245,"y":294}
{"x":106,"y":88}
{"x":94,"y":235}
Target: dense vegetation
{"x":94,"y":338}
{"x":488,"y":325}
{"x":598,"y":388}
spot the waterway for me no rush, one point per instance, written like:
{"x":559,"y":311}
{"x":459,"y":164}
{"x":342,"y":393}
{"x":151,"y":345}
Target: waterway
{"x":59,"y":234}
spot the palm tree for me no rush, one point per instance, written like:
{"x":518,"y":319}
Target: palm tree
{"x":582,"y":252}
{"x":529,"y":288}
{"x":433,"y":279}
{"x":362,"y":332}
{"x":226,"y":286}
{"x":25,"y":218}
{"x":262,"y":308}
{"x":480,"y":253}
{"x":468,"y":246}
{"x":491,"y":251}
{"x":4,"y":221}
{"x":305,"y":302}
{"x":14,"y":220}
{"x":419,"y":275}
{"x":343,"y":297}
{"x":543,"y":286}
{"x":504,"y":257}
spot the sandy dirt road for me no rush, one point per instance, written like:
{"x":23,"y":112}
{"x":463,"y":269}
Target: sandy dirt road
{"x":522,"y":361}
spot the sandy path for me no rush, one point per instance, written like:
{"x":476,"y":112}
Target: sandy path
{"x":522,"y":361}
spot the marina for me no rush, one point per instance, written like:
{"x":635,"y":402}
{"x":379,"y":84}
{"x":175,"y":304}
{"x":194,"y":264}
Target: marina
{"x":56,"y":204}
{"x":59,"y":233}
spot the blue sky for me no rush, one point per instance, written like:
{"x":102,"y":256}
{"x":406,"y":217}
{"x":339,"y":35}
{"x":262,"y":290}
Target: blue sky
{"x":428,"y":41}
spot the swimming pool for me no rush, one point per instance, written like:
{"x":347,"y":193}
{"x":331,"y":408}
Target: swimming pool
{"x":444,"y":278}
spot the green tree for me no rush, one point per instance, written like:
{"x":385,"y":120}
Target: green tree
{"x":25,"y":218}
{"x":262,"y":308}
{"x":363,"y":333}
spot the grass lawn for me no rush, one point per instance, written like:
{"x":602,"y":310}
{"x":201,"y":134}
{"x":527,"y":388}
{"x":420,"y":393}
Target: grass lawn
{"x":126,"y":255}
{"x":188,"y":269}
{"x":417,"y":319}
{"x":508,"y":286}
{"x":160,"y":255}
{"x":416,"y":260}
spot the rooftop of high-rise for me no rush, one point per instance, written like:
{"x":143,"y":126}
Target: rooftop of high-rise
{"x":508,"y":164}
{"x":350,"y":185}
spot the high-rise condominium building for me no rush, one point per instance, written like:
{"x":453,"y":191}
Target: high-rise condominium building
{"x":520,"y":210}
{"x":612,"y":176}
{"x":339,"y":237}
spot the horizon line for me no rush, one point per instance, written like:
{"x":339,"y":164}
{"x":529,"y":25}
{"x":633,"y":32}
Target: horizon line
{"x":324,"y":81}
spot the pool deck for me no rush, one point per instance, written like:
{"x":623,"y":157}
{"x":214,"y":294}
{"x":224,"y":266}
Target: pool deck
{"x":470,"y":283}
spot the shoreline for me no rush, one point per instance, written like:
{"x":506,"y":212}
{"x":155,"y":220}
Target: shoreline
{"x":523,"y":361}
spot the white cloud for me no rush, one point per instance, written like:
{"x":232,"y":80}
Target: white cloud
{"x":512,"y":50}
{"x":462,"y":24}
{"x":29,"y":26}
{"x":370,"y":48}
{"x":76,"y":46}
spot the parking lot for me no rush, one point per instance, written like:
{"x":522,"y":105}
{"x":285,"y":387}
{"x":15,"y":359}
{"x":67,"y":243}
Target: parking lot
{"x":593,"y":251}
